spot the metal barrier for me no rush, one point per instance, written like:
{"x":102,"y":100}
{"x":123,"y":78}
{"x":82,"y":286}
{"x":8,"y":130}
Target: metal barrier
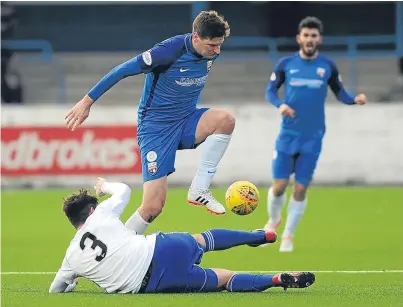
{"x":45,"y":55}
{"x":352,"y":43}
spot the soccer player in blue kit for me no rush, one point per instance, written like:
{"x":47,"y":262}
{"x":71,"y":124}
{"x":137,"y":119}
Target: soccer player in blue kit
{"x":306,"y":76}
{"x":168,"y":118}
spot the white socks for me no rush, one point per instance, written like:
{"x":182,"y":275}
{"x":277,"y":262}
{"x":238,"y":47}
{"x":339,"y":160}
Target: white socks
{"x":214,"y":148}
{"x":295,"y":211}
{"x":137,"y":223}
{"x":274,"y":206}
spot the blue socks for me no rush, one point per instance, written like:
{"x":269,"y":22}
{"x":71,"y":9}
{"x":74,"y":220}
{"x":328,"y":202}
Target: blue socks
{"x":220,"y":239}
{"x":250,"y":283}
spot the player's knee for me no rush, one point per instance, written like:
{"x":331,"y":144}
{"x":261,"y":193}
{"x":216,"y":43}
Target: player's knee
{"x":299,"y":192}
{"x":223,"y":276}
{"x":200,"y":239}
{"x":226,"y":122}
{"x":279,"y":187}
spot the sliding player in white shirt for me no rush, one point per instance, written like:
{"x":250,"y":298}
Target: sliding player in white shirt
{"x":116,"y":258}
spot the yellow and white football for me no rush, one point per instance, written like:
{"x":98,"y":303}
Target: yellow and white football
{"x":242,"y":197}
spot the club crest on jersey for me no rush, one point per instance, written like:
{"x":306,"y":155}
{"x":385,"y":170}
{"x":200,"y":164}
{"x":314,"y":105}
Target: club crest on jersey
{"x":151,"y":156}
{"x":209,"y":64}
{"x":152,"y":167}
{"x":321,"y":71}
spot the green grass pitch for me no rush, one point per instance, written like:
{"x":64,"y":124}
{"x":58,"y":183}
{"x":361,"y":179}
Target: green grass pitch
{"x":343,"y":229}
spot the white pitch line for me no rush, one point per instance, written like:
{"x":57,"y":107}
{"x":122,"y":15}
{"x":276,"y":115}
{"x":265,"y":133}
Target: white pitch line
{"x":28,"y":273}
{"x":252,"y":272}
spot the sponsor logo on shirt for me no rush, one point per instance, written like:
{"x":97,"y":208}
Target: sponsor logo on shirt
{"x":310,"y":83}
{"x":192,"y":81}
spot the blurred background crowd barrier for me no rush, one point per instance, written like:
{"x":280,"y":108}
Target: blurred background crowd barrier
{"x":54,"y":52}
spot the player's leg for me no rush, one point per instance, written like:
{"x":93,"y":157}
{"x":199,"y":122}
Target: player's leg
{"x":261,"y":282}
{"x":282,"y":168}
{"x":174,"y":270}
{"x":214,"y":127}
{"x":213,"y":280}
{"x":221,"y":239}
{"x":304,"y":170}
{"x":154,"y":195}
{"x":158,"y":158}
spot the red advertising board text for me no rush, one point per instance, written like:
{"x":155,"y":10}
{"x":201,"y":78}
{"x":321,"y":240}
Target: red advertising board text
{"x":58,"y":151}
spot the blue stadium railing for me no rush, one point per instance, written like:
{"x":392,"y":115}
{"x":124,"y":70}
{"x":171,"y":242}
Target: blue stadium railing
{"x":273,"y":44}
{"x":44,"y":53}
{"x":351,"y":42}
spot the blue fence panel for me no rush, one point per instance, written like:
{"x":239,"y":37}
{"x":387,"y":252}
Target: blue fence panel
{"x":399,"y":28}
{"x":352,"y":43}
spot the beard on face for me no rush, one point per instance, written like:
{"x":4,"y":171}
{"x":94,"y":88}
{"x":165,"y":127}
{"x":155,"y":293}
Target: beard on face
{"x":309,"y":49}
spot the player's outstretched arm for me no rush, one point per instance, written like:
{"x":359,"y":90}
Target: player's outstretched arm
{"x":120,"y":195}
{"x":79,"y":113}
{"x":131,"y":67}
{"x":337,"y":87}
{"x":65,"y":279}
{"x":162,"y":54}
{"x":59,"y":286}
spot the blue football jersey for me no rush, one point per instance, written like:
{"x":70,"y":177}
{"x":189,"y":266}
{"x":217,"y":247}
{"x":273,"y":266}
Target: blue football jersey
{"x":175,"y":77}
{"x":305,"y":89}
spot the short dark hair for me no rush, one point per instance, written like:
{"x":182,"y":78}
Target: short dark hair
{"x":208,"y":24}
{"x":77,"y":207}
{"x":311,"y":23}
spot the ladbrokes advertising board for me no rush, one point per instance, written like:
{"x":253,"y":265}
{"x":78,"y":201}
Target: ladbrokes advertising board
{"x":55,"y":150}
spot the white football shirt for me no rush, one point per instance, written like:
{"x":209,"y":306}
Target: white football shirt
{"x":105,"y":251}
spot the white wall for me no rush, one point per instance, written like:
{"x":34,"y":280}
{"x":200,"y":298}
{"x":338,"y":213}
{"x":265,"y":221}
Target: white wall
{"x":363,"y":144}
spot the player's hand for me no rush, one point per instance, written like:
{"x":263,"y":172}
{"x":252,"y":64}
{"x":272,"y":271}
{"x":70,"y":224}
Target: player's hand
{"x":98,"y":187}
{"x":79,"y":113}
{"x":286,"y":110}
{"x":360,"y":99}
{"x":71,"y":287}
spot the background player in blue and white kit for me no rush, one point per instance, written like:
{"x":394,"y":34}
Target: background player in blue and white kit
{"x":306,"y":76}
{"x":117,"y":259}
{"x":168,"y":118}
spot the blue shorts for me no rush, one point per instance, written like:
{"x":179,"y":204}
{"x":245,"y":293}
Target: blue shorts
{"x":174,"y":266}
{"x":296,"y":154}
{"x":159,"y":142}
